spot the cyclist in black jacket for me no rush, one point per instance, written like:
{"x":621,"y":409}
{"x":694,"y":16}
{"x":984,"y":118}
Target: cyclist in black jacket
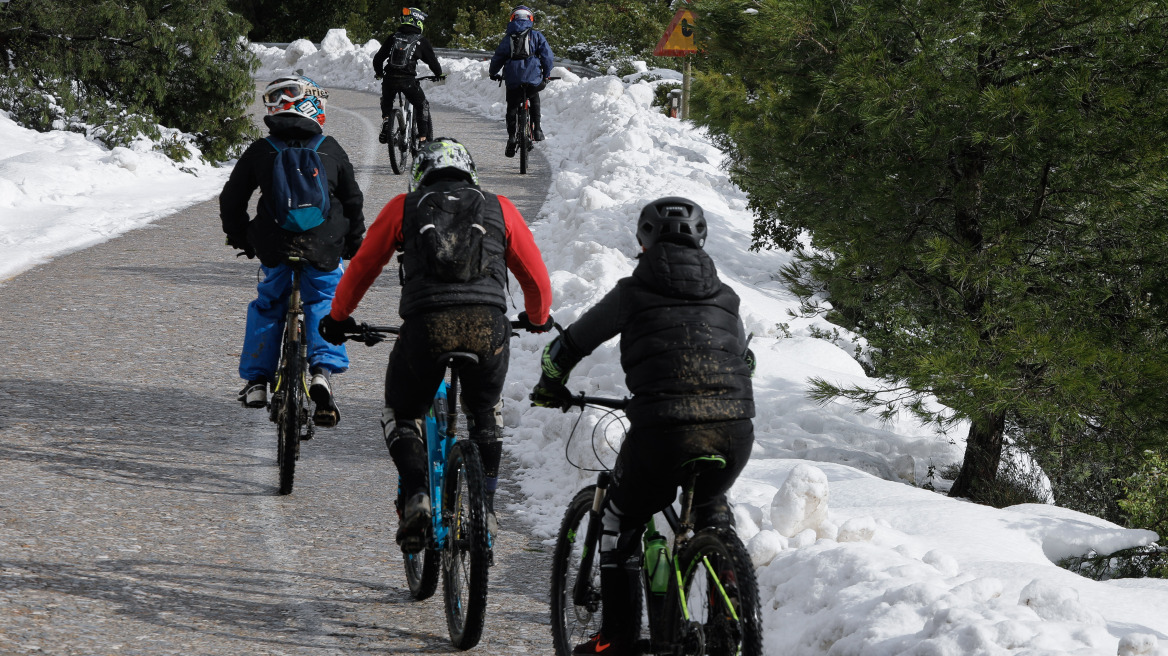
{"x":296,"y":114}
{"x":686,"y":362}
{"x":396,"y":65}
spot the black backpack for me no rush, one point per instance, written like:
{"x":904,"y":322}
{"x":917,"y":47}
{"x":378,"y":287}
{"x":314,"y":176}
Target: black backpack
{"x":402,"y":51}
{"x":521,"y":47}
{"x":452,"y":236}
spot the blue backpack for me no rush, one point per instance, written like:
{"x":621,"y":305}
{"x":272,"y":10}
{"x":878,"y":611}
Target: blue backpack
{"x":300,"y":194}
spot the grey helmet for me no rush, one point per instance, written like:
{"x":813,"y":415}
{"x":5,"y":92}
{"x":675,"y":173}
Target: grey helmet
{"x":673,"y":219}
{"x":442,"y":156}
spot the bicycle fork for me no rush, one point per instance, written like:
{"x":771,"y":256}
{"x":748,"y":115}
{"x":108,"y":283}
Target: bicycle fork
{"x":583,"y":593}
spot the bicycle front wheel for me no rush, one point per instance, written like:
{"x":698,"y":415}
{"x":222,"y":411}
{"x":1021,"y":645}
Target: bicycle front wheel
{"x":572,"y":623}
{"x":466,"y":555}
{"x":399,"y":142}
{"x":524,"y":134}
{"x":721,"y":594}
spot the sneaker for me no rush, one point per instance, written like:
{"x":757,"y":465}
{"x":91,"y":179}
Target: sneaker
{"x":326,"y":414}
{"x":384,"y":136}
{"x":254,"y":394}
{"x":411,"y":531}
{"x":510,"y":151}
{"x":598,"y":644}
{"x":537,"y":134}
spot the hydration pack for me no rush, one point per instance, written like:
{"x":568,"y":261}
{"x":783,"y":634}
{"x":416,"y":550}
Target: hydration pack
{"x":402,"y":51}
{"x":452,"y":236}
{"x":299,"y":199}
{"x":521,"y":47}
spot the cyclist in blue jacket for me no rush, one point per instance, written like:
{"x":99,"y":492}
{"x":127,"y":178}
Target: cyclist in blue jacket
{"x":525,"y":57}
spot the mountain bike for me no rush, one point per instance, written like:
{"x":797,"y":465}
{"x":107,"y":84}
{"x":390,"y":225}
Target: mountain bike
{"x":700,"y":593}
{"x":403,"y":130}
{"x":524,"y":129}
{"x":288,"y":408}
{"x":458,"y":541}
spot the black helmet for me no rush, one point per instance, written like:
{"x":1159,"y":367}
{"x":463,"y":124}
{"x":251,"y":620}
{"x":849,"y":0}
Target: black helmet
{"x":673,"y":219}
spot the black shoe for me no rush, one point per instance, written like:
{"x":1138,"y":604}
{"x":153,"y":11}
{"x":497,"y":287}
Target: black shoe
{"x":326,"y":414}
{"x":255,"y":393}
{"x":597,"y":644}
{"x":384,"y":136}
{"x":411,"y":531}
{"x":537,"y":135}
{"x":510,"y":151}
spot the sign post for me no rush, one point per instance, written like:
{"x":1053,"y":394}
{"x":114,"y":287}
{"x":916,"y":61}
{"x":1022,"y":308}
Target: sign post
{"x":678,"y":41}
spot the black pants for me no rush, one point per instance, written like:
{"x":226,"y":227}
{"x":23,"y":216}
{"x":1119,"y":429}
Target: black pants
{"x":416,"y":97}
{"x":649,"y":470}
{"x":414,"y":373}
{"x":514,"y":100}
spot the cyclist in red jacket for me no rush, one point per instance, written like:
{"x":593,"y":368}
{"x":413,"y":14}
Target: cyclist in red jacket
{"x":453,"y":299}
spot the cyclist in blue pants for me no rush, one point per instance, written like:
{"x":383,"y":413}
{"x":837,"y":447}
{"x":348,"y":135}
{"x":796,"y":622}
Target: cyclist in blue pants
{"x":296,"y":114}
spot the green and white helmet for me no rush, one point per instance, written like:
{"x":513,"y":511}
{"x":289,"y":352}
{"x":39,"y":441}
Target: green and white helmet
{"x":413,"y":16}
{"x":440,"y":158}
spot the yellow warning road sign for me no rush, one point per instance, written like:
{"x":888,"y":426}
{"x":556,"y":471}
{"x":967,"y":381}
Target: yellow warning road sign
{"x":678,"y":40}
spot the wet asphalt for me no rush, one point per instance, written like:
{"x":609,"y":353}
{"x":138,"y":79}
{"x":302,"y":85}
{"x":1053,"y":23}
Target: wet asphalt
{"x":138,"y":505}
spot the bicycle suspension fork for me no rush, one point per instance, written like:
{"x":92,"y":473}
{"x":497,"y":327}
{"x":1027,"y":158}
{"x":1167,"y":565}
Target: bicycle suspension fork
{"x":583,"y":587}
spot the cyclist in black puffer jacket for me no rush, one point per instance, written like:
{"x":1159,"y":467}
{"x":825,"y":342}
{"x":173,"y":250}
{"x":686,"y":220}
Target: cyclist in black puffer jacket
{"x":686,"y":362}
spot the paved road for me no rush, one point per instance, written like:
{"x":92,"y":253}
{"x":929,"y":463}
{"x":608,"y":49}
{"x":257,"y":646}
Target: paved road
{"x":138,"y":512}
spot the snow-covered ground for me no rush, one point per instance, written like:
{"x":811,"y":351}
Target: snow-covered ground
{"x":852,"y":557}
{"x":60,"y":192}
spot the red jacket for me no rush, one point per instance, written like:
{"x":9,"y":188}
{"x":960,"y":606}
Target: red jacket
{"x":385,"y":238}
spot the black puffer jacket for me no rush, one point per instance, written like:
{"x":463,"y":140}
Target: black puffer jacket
{"x":682,"y":341}
{"x":323,"y":245}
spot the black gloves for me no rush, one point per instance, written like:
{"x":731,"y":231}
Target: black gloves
{"x":549,"y":393}
{"x":351,"y":246}
{"x":238,"y":241}
{"x":496,"y":77}
{"x":333,"y":331}
{"x":377,"y":76}
{"x":525,"y":323}
{"x":751,"y":361}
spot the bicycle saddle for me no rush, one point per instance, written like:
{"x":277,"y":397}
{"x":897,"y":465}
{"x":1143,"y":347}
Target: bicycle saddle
{"x":455,"y":359}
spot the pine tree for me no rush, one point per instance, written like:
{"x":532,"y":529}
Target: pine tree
{"x":982,"y":184}
{"x":125,"y":66}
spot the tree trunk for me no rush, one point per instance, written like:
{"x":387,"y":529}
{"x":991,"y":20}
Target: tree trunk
{"x":983,"y":452}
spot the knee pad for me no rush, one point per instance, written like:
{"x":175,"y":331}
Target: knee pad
{"x":618,"y":546}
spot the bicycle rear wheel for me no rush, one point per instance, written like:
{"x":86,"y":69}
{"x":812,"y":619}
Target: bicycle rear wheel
{"x":288,"y":417}
{"x":399,"y":142}
{"x":465,"y":557}
{"x":721,"y":593}
{"x":524,"y":133}
{"x":573,"y":624}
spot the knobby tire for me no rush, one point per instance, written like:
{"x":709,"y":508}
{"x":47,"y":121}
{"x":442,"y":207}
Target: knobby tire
{"x":572,"y":624}
{"x":524,"y":136}
{"x":466,"y":556}
{"x":726,"y":557}
{"x":399,"y":142}
{"x":288,"y":424}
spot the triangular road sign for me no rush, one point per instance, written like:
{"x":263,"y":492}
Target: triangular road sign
{"x":678,"y":40}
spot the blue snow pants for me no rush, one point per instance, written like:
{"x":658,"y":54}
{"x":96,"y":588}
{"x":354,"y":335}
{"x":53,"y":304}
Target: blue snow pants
{"x":265,"y":321}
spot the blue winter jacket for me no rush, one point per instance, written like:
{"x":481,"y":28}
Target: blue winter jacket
{"x":532,"y":70}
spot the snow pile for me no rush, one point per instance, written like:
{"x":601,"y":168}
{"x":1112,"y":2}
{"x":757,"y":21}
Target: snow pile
{"x":60,"y":192}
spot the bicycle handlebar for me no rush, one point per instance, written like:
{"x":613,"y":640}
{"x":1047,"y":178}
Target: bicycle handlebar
{"x":580,"y":401}
{"x":370,"y":335}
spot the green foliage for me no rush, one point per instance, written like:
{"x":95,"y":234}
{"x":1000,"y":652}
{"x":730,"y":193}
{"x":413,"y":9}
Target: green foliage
{"x":1145,"y":499}
{"x":661,"y":96}
{"x":1137,"y":562}
{"x":125,"y":66}
{"x":983,"y":185}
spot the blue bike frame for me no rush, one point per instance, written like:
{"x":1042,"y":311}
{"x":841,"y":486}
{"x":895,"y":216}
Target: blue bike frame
{"x":439,"y":441}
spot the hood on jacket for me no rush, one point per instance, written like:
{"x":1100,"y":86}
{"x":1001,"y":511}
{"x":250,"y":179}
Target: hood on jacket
{"x":518,"y":25}
{"x":292,"y":126}
{"x":678,"y":271}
